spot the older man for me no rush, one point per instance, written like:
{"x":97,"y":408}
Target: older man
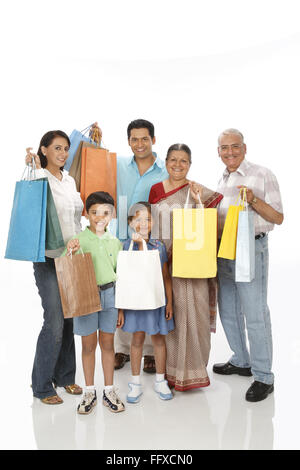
{"x":240,"y":301}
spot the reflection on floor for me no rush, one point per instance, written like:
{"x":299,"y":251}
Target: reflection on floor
{"x":217,"y":417}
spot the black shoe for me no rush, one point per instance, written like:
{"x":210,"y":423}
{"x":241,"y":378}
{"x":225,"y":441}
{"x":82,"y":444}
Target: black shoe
{"x":229,"y":369}
{"x":259,"y":391}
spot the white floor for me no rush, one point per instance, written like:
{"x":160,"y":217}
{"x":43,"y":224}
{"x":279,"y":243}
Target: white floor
{"x":217,"y":417}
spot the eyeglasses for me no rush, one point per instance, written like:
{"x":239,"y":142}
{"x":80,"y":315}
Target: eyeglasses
{"x":234,"y":147}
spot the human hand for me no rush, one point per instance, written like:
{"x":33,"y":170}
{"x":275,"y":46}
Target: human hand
{"x":96,"y":133}
{"x":169,"y":311}
{"x":120,"y":321}
{"x":29,"y":156}
{"x":195,"y":190}
{"x":73,"y":245}
{"x":249,"y":194}
{"x":136,"y":237}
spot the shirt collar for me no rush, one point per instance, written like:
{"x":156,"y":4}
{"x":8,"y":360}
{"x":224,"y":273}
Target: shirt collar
{"x":242,"y":169}
{"x":158,"y":162}
{"x":63,"y":172}
{"x":106,"y":236}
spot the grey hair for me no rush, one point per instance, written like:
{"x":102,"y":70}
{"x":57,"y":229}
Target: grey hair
{"x":229,"y":132}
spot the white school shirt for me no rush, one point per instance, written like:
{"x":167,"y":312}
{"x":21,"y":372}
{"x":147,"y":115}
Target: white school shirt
{"x":68,"y":203}
{"x":264,"y":186}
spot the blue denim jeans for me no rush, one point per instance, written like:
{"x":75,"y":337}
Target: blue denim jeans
{"x":243,"y":305}
{"x":54,"y":361}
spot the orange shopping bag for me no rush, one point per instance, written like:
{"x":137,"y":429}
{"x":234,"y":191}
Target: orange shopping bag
{"x":98,"y":172}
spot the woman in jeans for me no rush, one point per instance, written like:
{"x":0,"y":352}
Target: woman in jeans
{"x":54,"y":362}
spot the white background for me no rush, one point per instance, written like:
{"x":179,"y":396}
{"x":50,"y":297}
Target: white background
{"x":193,"y":68}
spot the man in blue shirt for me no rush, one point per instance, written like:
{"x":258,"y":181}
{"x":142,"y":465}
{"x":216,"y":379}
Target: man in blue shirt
{"x":138,"y":173}
{"x":135,"y":177}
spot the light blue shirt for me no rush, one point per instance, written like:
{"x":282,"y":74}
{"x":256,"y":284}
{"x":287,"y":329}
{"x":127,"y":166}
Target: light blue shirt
{"x":133,"y":187}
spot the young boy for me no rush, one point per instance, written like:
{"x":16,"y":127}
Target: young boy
{"x":104,"y":248}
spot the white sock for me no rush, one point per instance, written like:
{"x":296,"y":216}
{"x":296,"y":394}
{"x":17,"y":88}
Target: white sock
{"x":107,"y":388}
{"x":90,"y":388}
{"x":160,"y":377}
{"x":136,"y":379}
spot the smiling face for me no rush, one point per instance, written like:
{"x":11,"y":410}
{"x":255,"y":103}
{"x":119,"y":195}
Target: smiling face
{"x":56,"y":152}
{"x":99,"y":216}
{"x":232,"y":151}
{"x":178,"y":165}
{"x":141,"y":223}
{"x":141,"y":142}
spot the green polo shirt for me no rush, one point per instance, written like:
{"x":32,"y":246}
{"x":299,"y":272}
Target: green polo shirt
{"x":104,"y":251}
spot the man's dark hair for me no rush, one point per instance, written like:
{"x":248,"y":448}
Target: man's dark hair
{"x":141,"y":124}
{"x":99,"y":197}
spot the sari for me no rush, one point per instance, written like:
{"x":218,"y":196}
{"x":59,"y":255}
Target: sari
{"x":194,"y":300}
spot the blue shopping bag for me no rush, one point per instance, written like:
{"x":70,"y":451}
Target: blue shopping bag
{"x":27,"y":230}
{"x":75,"y":138}
{"x":245,"y":247}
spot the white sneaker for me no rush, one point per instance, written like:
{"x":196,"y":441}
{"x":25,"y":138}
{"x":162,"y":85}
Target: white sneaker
{"x":163,"y":390}
{"x":135,"y":392}
{"x":87,"y":403}
{"x":112,"y":401}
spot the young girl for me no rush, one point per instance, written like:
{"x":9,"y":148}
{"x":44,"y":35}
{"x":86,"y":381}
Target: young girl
{"x":156,"y":323}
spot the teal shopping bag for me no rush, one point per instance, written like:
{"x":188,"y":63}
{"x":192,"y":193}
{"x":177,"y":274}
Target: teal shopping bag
{"x":27,"y":229}
{"x":54,"y":236}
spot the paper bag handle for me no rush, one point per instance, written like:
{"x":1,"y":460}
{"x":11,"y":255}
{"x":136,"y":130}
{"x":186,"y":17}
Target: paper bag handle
{"x":187,"y":200}
{"x":144,"y":246}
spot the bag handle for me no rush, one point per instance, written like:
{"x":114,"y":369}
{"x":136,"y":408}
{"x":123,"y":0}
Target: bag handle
{"x":84,"y":131}
{"x":244,"y":199}
{"x":187,"y":200}
{"x":144,"y":245}
{"x":94,"y":134}
{"x":69,"y":253}
{"x":30,"y":169}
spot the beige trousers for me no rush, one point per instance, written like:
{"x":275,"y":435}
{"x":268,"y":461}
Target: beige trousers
{"x":123,"y":341}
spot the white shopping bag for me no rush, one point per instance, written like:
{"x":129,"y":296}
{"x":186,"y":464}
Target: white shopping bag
{"x":139,"y":284}
{"x":245,"y":246}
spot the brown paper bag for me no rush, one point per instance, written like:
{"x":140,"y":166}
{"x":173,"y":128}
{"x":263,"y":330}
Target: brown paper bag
{"x":77,"y":285}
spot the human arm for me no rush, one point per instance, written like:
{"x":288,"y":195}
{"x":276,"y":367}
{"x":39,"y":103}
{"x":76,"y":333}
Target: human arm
{"x":265,"y":210}
{"x":120,"y":321}
{"x":168,"y":289}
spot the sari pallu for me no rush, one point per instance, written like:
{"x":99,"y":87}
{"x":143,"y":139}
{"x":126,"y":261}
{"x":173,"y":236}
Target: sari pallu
{"x":194,"y":302}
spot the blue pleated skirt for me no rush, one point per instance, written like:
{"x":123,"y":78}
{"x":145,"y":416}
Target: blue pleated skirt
{"x":151,"y":322}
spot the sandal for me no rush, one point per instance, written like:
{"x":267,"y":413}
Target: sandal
{"x":120,"y":360}
{"x":149,"y":365}
{"x":73,"y":389}
{"x":53,"y":400}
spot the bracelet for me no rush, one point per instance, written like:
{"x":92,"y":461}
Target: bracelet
{"x":254,"y":200}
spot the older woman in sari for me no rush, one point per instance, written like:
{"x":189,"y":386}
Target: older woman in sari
{"x":195,"y":300}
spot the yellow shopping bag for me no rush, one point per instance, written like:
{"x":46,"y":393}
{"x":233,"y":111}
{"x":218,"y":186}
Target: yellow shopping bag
{"x":227,"y":248}
{"x":194,"y":242}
